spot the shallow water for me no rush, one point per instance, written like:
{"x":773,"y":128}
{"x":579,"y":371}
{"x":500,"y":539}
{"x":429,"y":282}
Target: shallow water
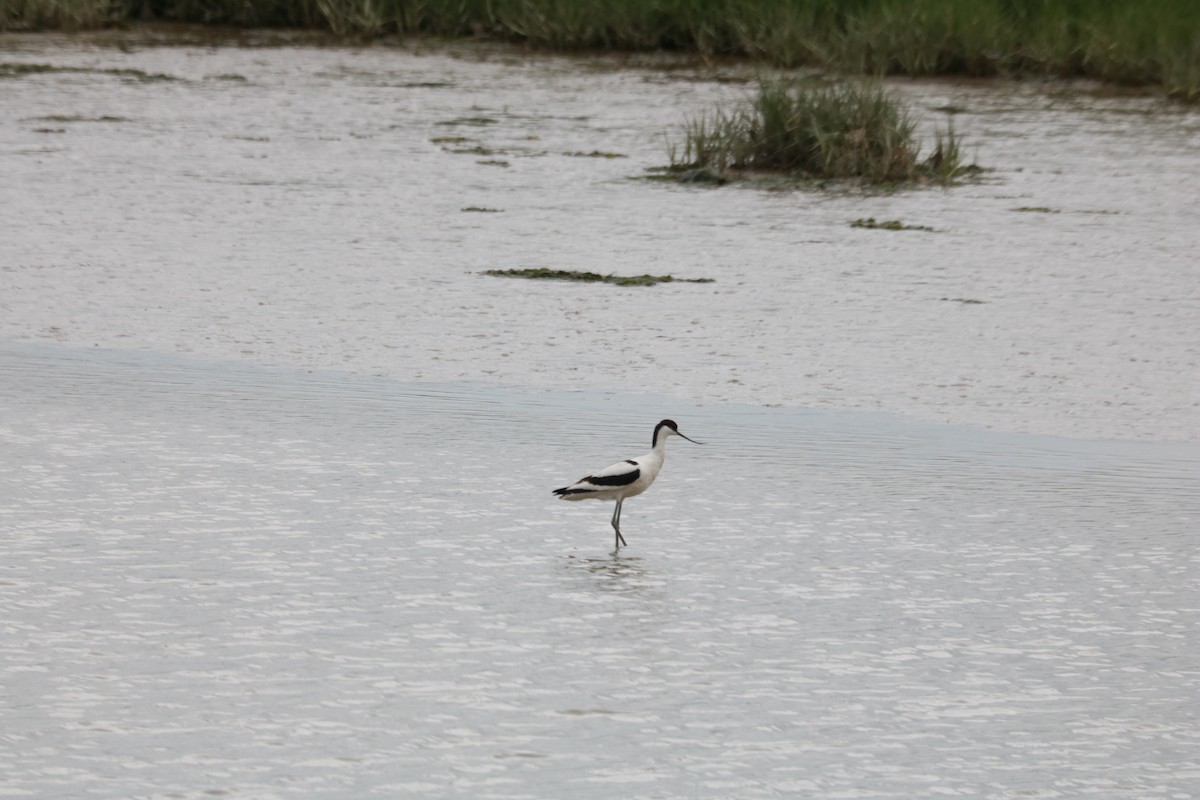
{"x":304,"y":207}
{"x":224,"y":579}
{"x":275,"y":460}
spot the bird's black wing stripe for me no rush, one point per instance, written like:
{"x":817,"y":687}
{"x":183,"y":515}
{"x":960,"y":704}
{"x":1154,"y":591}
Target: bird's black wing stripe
{"x":624,"y":479}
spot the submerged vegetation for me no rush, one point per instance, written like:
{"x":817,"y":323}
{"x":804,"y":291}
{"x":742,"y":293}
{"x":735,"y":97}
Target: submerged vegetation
{"x":836,"y":131}
{"x":1124,"y":41}
{"x":542,"y":273}
{"x":888,"y":225}
{"x":8,"y":70}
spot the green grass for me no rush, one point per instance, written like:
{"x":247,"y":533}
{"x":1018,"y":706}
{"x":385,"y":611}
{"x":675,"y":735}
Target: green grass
{"x":839,"y":131}
{"x":541,"y":273}
{"x":1134,"y":42}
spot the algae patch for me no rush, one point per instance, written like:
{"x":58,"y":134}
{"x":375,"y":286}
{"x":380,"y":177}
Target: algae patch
{"x":63,"y":118}
{"x":474,"y":121}
{"x":11,"y":70}
{"x":887,"y":225}
{"x":542,"y":273}
{"x":473,"y":150}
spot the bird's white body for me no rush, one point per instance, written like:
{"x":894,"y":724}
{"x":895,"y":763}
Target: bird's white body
{"x":624,"y":479}
{"x":647,"y":467}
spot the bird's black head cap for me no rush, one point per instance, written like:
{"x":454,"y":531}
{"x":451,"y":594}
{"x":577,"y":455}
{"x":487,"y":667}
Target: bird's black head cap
{"x":666,"y":423}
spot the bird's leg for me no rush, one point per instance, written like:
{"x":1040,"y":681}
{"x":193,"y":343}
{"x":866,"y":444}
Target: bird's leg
{"x":616,"y":523}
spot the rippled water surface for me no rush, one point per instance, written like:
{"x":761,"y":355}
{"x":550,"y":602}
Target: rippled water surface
{"x":333,"y":208}
{"x":222,"y":579}
{"x":276,"y":459}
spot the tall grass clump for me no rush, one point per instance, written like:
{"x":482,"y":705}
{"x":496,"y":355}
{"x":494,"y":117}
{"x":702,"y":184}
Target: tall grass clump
{"x":63,"y":14}
{"x":847,"y":130}
{"x":1155,"y":43}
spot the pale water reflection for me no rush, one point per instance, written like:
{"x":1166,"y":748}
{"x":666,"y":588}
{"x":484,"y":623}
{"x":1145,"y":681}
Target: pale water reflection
{"x":222,"y":579}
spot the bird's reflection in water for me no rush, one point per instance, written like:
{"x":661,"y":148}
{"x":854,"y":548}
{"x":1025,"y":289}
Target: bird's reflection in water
{"x":615,"y":573}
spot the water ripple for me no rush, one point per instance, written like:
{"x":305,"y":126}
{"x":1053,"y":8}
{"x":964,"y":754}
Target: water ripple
{"x":269,"y":583}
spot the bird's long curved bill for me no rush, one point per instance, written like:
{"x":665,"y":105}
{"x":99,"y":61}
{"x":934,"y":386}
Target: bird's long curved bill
{"x":693,"y":441}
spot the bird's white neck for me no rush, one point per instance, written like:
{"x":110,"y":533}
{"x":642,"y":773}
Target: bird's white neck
{"x":660,"y":438}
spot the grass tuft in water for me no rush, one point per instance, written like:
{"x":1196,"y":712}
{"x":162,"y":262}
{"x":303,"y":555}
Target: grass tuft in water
{"x":542,"y":273}
{"x":850,"y":130}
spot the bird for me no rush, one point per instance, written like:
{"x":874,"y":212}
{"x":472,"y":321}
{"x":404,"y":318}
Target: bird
{"x":627,"y":478}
